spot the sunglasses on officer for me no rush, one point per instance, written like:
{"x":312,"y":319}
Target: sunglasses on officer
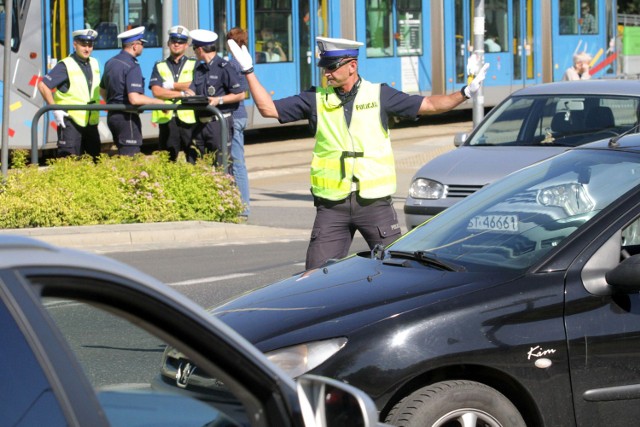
{"x":177,"y":41}
{"x":333,"y":67}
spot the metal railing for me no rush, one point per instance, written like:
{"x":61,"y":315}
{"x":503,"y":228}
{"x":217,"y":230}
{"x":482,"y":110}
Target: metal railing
{"x":628,"y":19}
{"x":128,"y":108}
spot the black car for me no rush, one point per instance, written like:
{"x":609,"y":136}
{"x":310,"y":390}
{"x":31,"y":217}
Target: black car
{"x":520,"y":305}
{"x":82,"y":337}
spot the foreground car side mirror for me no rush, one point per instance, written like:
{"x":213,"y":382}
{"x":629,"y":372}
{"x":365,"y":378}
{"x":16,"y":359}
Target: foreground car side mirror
{"x":459,"y":138}
{"x":329,"y":403}
{"x":625,"y":278}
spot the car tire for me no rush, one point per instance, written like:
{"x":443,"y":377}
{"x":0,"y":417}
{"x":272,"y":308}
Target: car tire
{"x":455,"y":403}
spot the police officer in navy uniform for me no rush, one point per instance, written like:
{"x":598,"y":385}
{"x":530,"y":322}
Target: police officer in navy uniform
{"x":75,"y":80}
{"x":352,"y":171}
{"x":217,"y":79}
{"x":170,"y":81}
{"x":122,"y":83}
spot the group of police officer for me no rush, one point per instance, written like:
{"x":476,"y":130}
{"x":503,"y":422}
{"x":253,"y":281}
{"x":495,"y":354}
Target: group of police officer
{"x":76,"y":80}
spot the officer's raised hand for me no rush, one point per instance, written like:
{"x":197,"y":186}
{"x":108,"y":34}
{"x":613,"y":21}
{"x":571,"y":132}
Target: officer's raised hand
{"x":58,"y":117}
{"x":242,"y":55}
{"x":473,"y":87}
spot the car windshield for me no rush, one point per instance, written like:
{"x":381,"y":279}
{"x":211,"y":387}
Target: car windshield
{"x":512,"y":223}
{"x":556,"y":120}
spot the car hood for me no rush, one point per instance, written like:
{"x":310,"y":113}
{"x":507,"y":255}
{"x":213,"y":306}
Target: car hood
{"x":341,"y":298}
{"x":468,"y":165}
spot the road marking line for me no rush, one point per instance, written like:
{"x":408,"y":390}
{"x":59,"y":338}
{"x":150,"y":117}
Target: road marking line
{"x":210,"y":279}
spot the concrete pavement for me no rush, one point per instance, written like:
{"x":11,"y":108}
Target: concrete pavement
{"x":278,"y":176}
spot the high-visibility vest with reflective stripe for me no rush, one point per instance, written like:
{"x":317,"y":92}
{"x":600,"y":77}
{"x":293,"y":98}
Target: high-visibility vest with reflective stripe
{"x":79,"y":92}
{"x":358,"y":152}
{"x":186,"y":75}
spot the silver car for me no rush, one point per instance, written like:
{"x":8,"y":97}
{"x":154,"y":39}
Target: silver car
{"x":530,"y":125}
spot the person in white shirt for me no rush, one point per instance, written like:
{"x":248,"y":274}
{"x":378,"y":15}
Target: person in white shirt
{"x":580,"y":69}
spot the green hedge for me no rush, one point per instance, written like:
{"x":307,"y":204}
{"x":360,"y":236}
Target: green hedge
{"x":115,"y":190}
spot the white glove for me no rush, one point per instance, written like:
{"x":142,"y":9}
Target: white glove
{"x":472,"y":64}
{"x":168,"y":85}
{"x":242,"y":55}
{"x":58,"y":117}
{"x":475,"y":84}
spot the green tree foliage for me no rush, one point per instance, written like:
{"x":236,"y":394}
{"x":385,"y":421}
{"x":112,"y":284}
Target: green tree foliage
{"x":115,"y":190}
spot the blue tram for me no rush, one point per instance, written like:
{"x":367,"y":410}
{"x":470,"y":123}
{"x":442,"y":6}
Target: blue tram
{"x":418,"y":46}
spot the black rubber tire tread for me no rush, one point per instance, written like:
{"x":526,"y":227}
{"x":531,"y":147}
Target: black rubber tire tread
{"x":427,"y":405}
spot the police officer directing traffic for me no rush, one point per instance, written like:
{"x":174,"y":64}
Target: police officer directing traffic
{"x":352,"y":171}
{"x":170,"y":80}
{"x":75,"y":79}
{"x":216,"y":79}
{"x":122,"y":83}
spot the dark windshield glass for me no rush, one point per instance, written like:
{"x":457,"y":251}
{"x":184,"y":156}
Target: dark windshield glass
{"x":512,"y":223}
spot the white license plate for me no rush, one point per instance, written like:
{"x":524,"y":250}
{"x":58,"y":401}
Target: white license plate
{"x":504,"y":223}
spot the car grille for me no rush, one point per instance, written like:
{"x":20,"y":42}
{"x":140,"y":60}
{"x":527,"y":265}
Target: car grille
{"x":460,"y":191}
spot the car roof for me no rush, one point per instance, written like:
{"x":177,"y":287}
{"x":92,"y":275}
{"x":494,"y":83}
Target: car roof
{"x":587,"y":87}
{"x":21,"y":251}
{"x":630,"y":142}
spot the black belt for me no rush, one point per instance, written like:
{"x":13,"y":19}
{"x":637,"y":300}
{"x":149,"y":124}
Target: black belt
{"x":209,"y":119}
{"x":346,"y":154}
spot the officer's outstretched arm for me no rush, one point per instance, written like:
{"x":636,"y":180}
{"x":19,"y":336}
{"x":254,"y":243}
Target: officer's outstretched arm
{"x":261,"y":98}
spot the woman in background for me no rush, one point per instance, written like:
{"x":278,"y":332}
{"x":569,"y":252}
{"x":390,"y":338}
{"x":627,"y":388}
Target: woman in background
{"x":580,"y":69}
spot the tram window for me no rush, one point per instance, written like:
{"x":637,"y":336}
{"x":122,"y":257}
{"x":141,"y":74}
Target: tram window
{"x":108,"y":19}
{"x":274,"y":30}
{"x":379,"y":28}
{"x":497,"y":30}
{"x":409,"y":25}
{"x":19,"y":7}
{"x":577,"y":17}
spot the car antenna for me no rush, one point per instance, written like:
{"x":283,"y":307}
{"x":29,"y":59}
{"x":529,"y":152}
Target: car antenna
{"x":613,"y":142}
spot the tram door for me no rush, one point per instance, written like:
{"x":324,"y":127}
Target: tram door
{"x":583,"y":26}
{"x":460,"y":44}
{"x":374,"y":28}
{"x":58,"y":37}
{"x":311,"y":25}
{"x":524,"y":43}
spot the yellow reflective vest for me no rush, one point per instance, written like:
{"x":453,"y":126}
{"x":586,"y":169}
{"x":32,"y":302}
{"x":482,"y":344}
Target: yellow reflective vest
{"x":79,"y":92}
{"x":359,"y":152}
{"x":186,"y":75}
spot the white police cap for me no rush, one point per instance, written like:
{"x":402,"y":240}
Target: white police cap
{"x":89,"y":35}
{"x":132,"y":35}
{"x":332,"y":50}
{"x":203,"y":37}
{"x":179,"y":32}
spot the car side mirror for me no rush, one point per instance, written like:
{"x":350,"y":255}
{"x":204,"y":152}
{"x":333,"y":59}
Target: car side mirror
{"x":459,"y":138}
{"x":329,"y":403}
{"x":625,"y":278}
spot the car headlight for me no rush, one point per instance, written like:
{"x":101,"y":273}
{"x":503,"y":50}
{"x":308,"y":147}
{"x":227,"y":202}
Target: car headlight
{"x":573,"y":198}
{"x":298,"y":359}
{"x":422,"y":188}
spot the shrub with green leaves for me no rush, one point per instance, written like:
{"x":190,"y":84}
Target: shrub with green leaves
{"x":115,"y":190}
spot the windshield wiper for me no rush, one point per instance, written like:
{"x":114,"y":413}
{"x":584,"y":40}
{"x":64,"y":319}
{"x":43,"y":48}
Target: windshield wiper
{"x":428,"y":258}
